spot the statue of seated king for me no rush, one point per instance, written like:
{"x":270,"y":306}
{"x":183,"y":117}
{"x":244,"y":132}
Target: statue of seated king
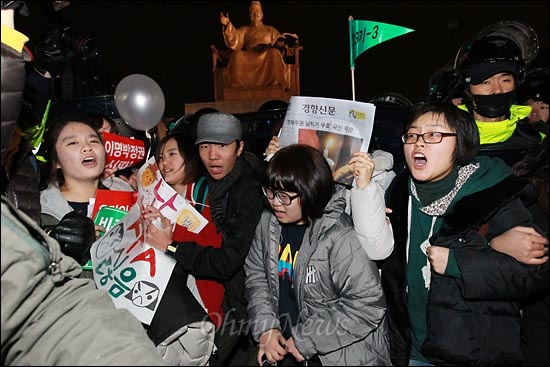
{"x":256,"y":55}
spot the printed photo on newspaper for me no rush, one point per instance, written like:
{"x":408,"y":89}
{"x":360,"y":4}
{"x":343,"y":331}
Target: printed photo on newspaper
{"x":338,"y":128}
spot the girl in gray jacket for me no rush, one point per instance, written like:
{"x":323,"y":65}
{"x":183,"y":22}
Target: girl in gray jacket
{"x":313,"y":294}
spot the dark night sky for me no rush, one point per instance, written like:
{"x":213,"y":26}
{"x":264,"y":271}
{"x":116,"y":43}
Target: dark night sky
{"x":169,"y":40}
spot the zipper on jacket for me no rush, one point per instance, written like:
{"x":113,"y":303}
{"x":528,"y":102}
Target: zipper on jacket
{"x":53,"y":267}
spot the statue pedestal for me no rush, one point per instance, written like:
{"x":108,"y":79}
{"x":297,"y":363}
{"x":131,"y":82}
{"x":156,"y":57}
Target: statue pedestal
{"x":223,"y":93}
{"x":233,"y":107}
{"x":240,"y":94}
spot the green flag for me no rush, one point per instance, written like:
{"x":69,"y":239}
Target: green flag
{"x":364,"y":34}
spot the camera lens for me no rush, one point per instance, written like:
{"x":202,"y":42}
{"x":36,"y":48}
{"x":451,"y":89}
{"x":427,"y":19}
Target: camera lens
{"x":83,"y":46}
{"x":87,"y":48}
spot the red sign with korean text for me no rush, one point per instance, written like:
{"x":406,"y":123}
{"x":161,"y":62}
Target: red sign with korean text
{"x":122,"y":152}
{"x":122,"y":200}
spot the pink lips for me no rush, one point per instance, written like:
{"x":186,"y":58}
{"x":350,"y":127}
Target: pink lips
{"x":419,"y":160}
{"x":215,"y":170}
{"x":89,"y":162}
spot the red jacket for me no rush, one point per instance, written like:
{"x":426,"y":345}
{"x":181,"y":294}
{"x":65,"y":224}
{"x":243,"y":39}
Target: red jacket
{"x":211,"y":291}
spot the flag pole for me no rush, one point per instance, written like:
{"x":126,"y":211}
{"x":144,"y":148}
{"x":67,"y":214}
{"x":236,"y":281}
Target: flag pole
{"x":352,"y":84}
{"x":352,"y":69}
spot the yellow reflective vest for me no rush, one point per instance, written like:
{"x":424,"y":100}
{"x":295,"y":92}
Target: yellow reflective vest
{"x":498,"y":132}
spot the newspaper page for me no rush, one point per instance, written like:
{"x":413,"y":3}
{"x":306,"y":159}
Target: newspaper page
{"x":338,"y":128}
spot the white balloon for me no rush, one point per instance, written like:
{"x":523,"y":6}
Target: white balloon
{"x":139,"y":101}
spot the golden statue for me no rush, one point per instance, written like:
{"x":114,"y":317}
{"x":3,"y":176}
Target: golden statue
{"x":254,"y":61}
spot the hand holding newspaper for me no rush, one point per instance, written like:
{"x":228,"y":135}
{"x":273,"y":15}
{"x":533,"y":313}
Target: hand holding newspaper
{"x":338,"y":128}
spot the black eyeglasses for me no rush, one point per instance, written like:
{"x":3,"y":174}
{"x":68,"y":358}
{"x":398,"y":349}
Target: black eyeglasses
{"x":283,"y":198}
{"x":433,"y":137}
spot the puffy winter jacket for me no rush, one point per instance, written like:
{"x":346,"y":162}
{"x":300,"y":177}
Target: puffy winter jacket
{"x":341,"y":305}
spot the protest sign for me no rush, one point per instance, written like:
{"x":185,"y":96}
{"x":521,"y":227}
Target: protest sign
{"x":153,"y":190}
{"x":122,"y":152}
{"x":114,"y":199}
{"x":106,"y":217}
{"x":122,"y":200}
{"x":133,"y":273}
{"x":338,"y":128}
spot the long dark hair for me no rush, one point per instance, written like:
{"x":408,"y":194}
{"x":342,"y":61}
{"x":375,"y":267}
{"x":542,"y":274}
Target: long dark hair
{"x":99,"y":122}
{"x":186,"y":146}
{"x":301,"y":169}
{"x":49,"y":172}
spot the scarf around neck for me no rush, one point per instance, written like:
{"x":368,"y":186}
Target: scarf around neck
{"x":218,"y":190}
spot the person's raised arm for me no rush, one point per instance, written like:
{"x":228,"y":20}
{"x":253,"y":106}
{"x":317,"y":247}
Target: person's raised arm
{"x":368,"y":209}
{"x":231,"y":36}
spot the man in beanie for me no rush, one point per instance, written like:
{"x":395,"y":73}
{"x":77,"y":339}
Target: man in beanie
{"x":236,"y":204}
{"x":493,"y":68}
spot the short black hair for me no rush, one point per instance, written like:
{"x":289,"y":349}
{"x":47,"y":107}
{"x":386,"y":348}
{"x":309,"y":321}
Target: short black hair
{"x":302,"y":169}
{"x":458,"y":120}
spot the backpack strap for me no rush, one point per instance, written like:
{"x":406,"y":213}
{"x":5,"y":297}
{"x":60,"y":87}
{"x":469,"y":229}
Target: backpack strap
{"x":200,"y":192}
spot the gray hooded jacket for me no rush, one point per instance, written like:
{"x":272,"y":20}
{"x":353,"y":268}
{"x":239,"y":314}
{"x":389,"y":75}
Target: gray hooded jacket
{"x":341,"y":305}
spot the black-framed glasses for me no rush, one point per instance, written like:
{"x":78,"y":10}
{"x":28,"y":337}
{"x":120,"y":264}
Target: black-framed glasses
{"x":433,"y":137}
{"x":283,"y":198}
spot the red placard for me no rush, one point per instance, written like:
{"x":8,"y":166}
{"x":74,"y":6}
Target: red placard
{"x":122,"y":152}
{"x":118,"y":199}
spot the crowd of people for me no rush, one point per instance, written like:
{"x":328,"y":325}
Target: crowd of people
{"x":440,"y":259}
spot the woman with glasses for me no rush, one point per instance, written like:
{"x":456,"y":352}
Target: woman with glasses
{"x":373,"y":173}
{"x":453,"y":299}
{"x":313,"y":294}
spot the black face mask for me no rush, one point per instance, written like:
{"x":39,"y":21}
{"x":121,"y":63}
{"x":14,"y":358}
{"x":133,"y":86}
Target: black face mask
{"x":494,"y":105}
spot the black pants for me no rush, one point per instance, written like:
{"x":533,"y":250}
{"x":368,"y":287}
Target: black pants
{"x":235,"y":345}
{"x":290,"y":361}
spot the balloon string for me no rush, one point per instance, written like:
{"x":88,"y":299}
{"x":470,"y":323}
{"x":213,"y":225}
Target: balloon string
{"x":150,"y":145}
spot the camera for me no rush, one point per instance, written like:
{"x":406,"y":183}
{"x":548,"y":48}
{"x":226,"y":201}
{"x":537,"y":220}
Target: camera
{"x":59,"y":42}
{"x":83,"y":46}
{"x":58,"y":45}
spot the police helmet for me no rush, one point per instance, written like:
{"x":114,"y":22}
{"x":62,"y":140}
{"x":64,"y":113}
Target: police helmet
{"x":506,"y":46}
{"x":535,"y":86}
